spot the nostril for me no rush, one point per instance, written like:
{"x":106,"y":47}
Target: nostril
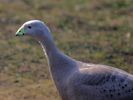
{"x":19,"y":31}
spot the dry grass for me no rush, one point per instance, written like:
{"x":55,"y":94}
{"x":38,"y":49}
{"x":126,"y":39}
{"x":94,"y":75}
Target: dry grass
{"x":88,"y":30}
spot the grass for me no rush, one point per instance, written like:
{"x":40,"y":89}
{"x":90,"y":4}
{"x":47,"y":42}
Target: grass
{"x":87,"y":30}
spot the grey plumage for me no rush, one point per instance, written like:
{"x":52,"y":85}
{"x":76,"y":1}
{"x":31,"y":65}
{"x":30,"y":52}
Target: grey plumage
{"x":99,"y":82}
{"x":76,"y":80}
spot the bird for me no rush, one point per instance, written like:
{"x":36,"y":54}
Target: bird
{"x":77,"y":80}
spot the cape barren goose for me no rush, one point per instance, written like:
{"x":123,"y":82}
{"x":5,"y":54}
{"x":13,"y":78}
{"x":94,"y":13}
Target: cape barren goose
{"x":77,"y":80}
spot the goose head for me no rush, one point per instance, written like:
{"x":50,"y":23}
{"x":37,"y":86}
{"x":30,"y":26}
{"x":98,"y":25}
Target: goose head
{"x":34,"y":28}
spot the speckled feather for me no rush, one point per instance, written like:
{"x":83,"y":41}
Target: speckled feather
{"x":100,"y":82}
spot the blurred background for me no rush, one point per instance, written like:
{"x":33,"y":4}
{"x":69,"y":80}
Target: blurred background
{"x":97,"y":31}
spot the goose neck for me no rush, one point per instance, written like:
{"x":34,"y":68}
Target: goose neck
{"x":49,"y":47}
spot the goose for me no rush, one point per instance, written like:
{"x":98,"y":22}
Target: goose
{"x":76,"y":80}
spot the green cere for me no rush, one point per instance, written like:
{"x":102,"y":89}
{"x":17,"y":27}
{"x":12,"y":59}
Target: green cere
{"x":20,"y":32}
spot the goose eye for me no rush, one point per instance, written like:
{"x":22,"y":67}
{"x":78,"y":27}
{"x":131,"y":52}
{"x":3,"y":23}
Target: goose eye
{"x":29,"y":27}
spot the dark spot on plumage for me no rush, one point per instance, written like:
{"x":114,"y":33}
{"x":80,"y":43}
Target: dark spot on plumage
{"x":119,"y":94}
{"x":111,"y":95}
{"x":122,"y":87}
{"x":104,"y":90}
{"x":110,"y":90}
{"x":125,"y":85}
{"x":129,"y":91}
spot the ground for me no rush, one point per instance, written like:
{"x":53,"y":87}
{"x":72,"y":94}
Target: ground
{"x":97,"y":31}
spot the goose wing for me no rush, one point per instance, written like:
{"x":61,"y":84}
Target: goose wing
{"x":100,"y":82}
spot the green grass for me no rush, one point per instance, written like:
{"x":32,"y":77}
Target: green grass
{"x":87,"y":30}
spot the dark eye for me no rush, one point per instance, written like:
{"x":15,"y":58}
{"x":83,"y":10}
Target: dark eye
{"x":29,"y":27}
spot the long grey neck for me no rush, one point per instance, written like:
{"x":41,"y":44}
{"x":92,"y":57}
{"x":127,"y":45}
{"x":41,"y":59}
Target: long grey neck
{"x":49,"y":48}
{"x":58,"y":62}
{"x":61,"y":66}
